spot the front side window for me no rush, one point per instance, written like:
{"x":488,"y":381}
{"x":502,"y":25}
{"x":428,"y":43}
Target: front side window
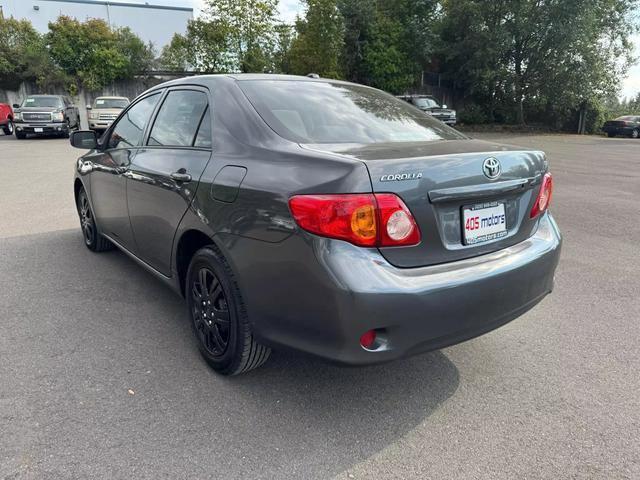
{"x":178,"y":119}
{"x":129,"y":130}
{"x":328,"y":112}
{"x":43,"y":102}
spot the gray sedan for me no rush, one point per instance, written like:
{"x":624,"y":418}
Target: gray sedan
{"x":318,"y":215}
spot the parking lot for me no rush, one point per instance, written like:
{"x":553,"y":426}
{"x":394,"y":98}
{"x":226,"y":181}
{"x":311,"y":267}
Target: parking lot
{"x":100,"y":376}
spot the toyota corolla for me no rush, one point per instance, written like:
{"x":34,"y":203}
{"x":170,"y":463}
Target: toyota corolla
{"x":318,"y":215}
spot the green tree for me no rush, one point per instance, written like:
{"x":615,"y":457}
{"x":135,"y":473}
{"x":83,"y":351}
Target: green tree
{"x":320,"y":39}
{"x":542,"y":59}
{"x":231,"y":36}
{"x":94,"y":53}
{"x":387,"y":42}
{"x":285,"y":35}
{"x":23,"y":56}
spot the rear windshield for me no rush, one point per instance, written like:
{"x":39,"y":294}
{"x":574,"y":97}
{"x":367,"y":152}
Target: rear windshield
{"x":326,"y":112}
{"x":628,"y":118}
{"x":120,"y":103}
{"x":44,"y":102}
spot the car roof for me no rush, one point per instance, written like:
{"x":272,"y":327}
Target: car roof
{"x":112,"y":98}
{"x":231,"y":77}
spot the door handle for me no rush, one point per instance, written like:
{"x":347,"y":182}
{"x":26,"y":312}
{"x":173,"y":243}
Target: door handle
{"x":181,"y":176}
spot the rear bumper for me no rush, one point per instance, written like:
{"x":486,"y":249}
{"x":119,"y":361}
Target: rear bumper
{"x":323,"y":308}
{"x":47,"y":128}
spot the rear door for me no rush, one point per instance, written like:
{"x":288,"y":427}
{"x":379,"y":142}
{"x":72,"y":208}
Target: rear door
{"x":164,"y":175}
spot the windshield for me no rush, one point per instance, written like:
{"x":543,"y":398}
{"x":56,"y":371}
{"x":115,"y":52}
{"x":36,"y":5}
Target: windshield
{"x":425,"y":103}
{"x":46,"y":102}
{"x":325,"y":112}
{"x":120,"y":103}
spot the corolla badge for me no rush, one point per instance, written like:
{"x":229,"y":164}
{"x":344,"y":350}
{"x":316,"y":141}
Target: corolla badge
{"x":491,"y":168}
{"x":399,"y":177}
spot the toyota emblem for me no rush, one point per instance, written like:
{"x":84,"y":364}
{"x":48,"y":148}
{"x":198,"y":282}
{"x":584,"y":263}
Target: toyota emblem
{"x":491,"y":168}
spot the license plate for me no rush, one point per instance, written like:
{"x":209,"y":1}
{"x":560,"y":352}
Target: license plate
{"x":38,"y":130}
{"x":483,"y":222}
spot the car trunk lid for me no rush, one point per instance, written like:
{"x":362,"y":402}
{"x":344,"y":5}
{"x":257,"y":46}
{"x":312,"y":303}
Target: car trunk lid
{"x":439,"y":180}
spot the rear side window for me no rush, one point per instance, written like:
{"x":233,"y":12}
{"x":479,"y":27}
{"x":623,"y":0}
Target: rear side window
{"x":178,"y":119}
{"x":203,"y":139}
{"x":129,"y":130}
{"x":328,"y":112}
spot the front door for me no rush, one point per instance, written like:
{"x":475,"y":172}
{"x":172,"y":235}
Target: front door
{"x":164,"y":174}
{"x":108,"y":180}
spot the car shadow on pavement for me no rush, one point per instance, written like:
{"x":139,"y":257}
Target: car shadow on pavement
{"x":349,"y":413}
{"x":98,"y":327}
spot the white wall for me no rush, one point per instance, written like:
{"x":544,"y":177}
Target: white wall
{"x":153,"y":23}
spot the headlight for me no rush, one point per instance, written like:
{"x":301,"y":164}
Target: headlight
{"x":17,"y":116}
{"x":94,"y":116}
{"x":57,"y":116}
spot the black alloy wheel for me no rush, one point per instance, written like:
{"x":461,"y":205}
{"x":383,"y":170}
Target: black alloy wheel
{"x":218,"y":315}
{"x":90,"y":233}
{"x":86,"y":219}
{"x":210,"y":312}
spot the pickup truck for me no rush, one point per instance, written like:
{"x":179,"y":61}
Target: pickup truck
{"x":6,"y":118}
{"x":104,"y":111}
{"x":432,"y":106}
{"x":46,"y":115}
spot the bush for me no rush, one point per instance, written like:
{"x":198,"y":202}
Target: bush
{"x":472,"y":114}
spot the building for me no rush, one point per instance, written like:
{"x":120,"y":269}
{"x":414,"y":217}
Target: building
{"x":152,"y":23}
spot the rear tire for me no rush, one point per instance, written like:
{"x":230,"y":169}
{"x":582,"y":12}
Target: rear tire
{"x":611,"y":134}
{"x":93,"y":239}
{"x":635,"y":133}
{"x":8,"y":128}
{"x":219,"y":317}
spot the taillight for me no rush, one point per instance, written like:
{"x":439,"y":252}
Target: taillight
{"x":544,"y":196}
{"x":367,"y":220}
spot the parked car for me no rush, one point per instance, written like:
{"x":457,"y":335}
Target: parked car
{"x":104,"y":111}
{"x":628,"y":125}
{"x":432,"y":106}
{"x":46,"y":115}
{"x":330,"y":218}
{"x":6,"y":118}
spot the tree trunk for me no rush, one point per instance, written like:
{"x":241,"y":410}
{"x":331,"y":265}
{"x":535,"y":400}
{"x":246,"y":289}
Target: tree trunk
{"x":519,"y":90}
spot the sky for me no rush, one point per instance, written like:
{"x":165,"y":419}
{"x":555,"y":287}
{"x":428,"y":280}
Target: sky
{"x":289,"y":9}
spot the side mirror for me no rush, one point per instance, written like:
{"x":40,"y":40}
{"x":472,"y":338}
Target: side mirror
{"x":85,"y":139}
{"x":445,"y":106}
{"x":15,"y":105}
{"x":88,"y":107}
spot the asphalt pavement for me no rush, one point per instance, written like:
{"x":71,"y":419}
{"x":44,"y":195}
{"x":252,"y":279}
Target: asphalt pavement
{"x":100,"y":376}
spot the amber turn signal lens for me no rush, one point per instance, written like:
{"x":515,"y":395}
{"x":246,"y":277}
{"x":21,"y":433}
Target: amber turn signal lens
{"x":363,"y":222}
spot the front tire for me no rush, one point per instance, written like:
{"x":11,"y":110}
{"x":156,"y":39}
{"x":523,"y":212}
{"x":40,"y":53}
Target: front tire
{"x":93,"y":239}
{"x":219,"y":317}
{"x":21,"y":135}
{"x":635,"y":133}
{"x":66,"y":133}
